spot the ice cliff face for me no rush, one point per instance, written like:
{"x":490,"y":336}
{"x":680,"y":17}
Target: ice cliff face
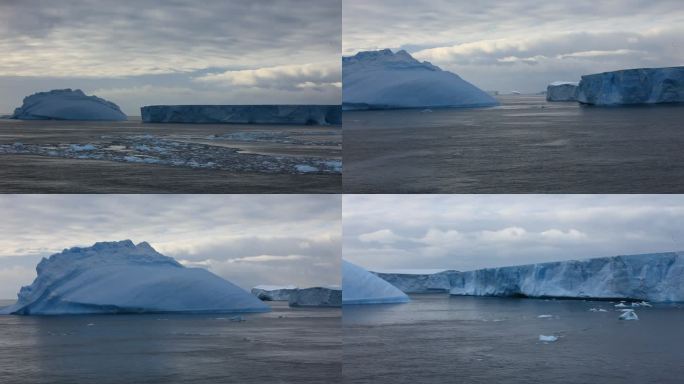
{"x":121,"y":277}
{"x":362,"y":287}
{"x":418,"y":282}
{"x":244,"y":114}
{"x":67,"y":104}
{"x":633,"y":86}
{"x":383,"y":79}
{"x":655,"y":277}
{"x":273,"y":292}
{"x":562,"y":91}
{"x":316,"y":297}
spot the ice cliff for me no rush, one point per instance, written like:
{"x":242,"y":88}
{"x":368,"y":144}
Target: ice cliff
{"x":273,"y":292}
{"x":418,"y":282}
{"x":121,"y":277}
{"x":383,"y":79}
{"x":362,"y":287}
{"x":633,"y":86}
{"x":657,"y":277}
{"x":243,"y":114}
{"x":562,"y":91}
{"x":316,"y":297}
{"x":67,"y":104}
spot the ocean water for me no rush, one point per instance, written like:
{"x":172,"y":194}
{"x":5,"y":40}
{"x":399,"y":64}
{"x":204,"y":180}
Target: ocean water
{"x":130,"y":157}
{"x":440,"y":339}
{"x":526,"y":145}
{"x":284,"y":346}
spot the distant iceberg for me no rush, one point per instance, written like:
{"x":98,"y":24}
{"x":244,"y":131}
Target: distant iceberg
{"x":657,"y":277}
{"x":243,"y":114}
{"x":316,"y":297}
{"x":383,"y":79}
{"x":67,"y":104}
{"x":562,"y":91}
{"x":633,"y":86}
{"x":121,"y":277}
{"x":362,"y":287}
{"x":273,"y":292}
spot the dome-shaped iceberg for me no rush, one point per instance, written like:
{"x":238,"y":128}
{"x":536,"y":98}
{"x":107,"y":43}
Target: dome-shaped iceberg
{"x":362,"y":287}
{"x":121,"y":277}
{"x":67,"y":104}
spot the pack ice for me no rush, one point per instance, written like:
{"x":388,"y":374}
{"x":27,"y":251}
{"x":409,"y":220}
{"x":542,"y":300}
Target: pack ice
{"x":121,"y":277}
{"x":243,"y":114}
{"x":328,"y":296}
{"x":273,"y":292}
{"x":67,"y":104}
{"x":383,"y":79}
{"x":562,"y":91}
{"x":362,"y":287}
{"x":656,"y":277}
{"x":633,"y":86}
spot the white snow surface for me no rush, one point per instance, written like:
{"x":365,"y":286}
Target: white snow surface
{"x":655,"y":277}
{"x":121,"y":277}
{"x":67,"y":104}
{"x":633,"y":86}
{"x":325,"y":296}
{"x":273,"y":292}
{"x":562,"y":91}
{"x":362,"y":287}
{"x":383,"y":79}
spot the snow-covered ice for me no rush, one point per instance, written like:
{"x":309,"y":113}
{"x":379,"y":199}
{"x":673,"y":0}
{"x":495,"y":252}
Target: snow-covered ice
{"x":383,"y":79}
{"x":562,"y":91}
{"x":362,"y":287}
{"x":548,"y":339}
{"x":121,"y":277}
{"x":243,"y":114}
{"x":273,"y":292}
{"x":327,"y":296}
{"x":633,"y":86}
{"x":67,"y":104}
{"x":629,"y":314}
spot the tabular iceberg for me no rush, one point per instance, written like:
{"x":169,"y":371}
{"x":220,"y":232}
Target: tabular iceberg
{"x":562,"y":91}
{"x":121,"y":277}
{"x":67,"y":104}
{"x":243,"y":114}
{"x":633,"y":86}
{"x":273,"y":292}
{"x":418,"y":282}
{"x":362,"y":287}
{"x":383,"y":79}
{"x":657,"y":277}
{"x":316,"y":297}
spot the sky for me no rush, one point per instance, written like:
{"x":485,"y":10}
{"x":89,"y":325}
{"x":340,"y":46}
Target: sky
{"x":246,"y":239}
{"x":142,"y":52}
{"x":466,"y":232}
{"x":521,"y":45}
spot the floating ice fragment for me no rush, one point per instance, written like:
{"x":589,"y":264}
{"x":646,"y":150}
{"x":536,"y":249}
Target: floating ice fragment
{"x":548,"y":339}
{"x":544,"y":316}
{"x":629,"y":314}
{"x":621,"y":305}
{"x":305,"y":168}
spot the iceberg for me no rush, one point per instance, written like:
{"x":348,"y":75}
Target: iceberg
{"x":121,"y":277}
{"x":67,"y":104}
{"x":562,"y":91}
{"x":362,"y":287}
{"x":329,"y":296}
{"x":273,"y":292}
{"x":383,"y":79}
{"x":655,"y":277}
{"x":243,"y":114}
{"x":633,"y":86}
{"x":417,"y":281}
{"x":629,"y":314}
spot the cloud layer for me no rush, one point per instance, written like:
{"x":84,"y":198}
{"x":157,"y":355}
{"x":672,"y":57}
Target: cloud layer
{"x":521,"y":45}
{"x":247,"y":239}
{"x":476,"y":231}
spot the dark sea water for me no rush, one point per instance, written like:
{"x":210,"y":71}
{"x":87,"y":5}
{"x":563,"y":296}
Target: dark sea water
{"x":438,"y":339}
{"x":133,"y":157}
{"x":526,"y":145}
{"x":284,"y":346}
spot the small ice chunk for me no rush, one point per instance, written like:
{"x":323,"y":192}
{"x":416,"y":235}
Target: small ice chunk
{"x":621,"y":305}
{"x":645,"y":304}
{"x":305,"y":168}
{"x":544,"y":316}
{"x":629,"y":314}
{"x":90,"y":324}
{"x":548,"y":339}
{"x":597,"y":310}
{"x":80,"y":148}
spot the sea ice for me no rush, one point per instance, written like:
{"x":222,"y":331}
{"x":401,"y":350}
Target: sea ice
{"x":67,"y":104}
{"x":362,"y":287}
{"x":548,"y":339}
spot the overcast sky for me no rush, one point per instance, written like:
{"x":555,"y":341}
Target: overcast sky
{"x":137,"y":52}
{"x":247,"y":239}
{"x":465,"y":232}
{"x":523,"y":44}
